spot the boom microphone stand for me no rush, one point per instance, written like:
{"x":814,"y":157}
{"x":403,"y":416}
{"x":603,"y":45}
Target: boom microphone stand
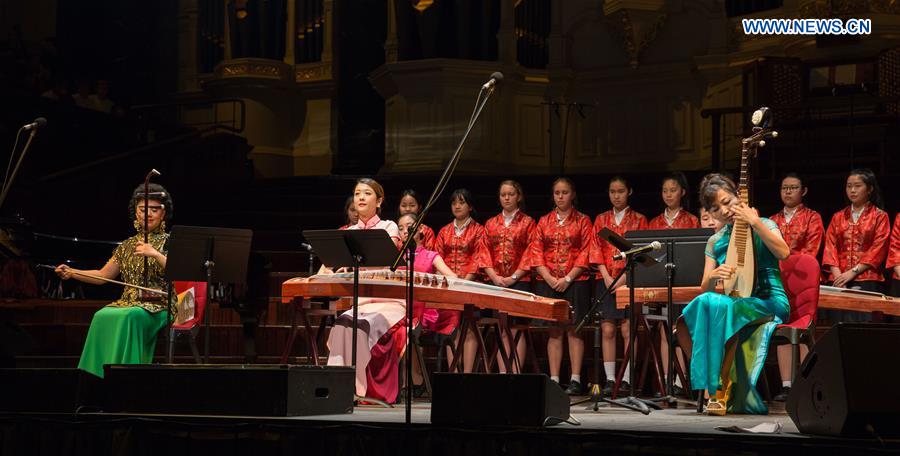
{"x":409,"y":247}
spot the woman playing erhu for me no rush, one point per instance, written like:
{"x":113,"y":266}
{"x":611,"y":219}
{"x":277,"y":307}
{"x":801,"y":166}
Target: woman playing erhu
{"x":124,"y":332}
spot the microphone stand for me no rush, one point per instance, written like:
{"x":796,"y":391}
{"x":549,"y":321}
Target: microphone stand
{"x":409,"y":247}
{"x":7,"y":184}
{"x":312,"y":257}
{"x":596,"y":396}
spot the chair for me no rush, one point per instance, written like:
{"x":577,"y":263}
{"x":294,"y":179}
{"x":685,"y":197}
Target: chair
{"x":800,"y":275}
{"x":190,"y":327}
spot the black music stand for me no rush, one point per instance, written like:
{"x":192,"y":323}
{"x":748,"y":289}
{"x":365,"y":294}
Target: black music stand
{"x":354,"y":249}
{"x":211,"y":255}
{"x":630,"y":402}
{"x":680,"y":264}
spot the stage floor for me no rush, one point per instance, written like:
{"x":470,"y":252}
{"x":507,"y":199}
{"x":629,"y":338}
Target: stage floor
{"x":683,"y":420}
{"x":376,"y":430}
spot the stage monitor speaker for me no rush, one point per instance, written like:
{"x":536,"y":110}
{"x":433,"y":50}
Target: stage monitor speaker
{"x":845,"y":386}
{"x":245,"y":390}
{"x":39,"y":390}
{"x":498,"y":399}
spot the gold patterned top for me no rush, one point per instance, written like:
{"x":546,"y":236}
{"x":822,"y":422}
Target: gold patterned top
{"x":131,"y":267}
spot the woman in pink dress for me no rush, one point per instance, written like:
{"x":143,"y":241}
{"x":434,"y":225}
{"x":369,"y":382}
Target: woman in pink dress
{"x":381,"y":336}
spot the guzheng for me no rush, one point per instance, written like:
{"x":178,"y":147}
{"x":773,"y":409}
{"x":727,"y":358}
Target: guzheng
{"x":829,"y":298}
{"x":434,"y":290}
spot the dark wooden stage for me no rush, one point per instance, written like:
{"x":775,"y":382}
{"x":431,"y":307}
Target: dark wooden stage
{"x":374,"y":430}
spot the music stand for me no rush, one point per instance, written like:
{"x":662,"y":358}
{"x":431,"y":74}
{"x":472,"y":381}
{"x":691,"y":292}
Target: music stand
{"x":353,"y":248}
{"x":208,"y":254}
{"x":630,"y":402}
{"x":681,"y":264}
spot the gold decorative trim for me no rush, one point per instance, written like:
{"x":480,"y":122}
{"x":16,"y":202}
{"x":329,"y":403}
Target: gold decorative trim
{"x":537,"y":78}
{"x":422,"y":5}
{"x":832,"y":8}
{"x":250,"y":69}
{"x":314,"y":72}
{"x":620,"y":23}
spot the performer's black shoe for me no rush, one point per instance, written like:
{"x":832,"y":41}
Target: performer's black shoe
{"x":624,"y":388}
{"x":575,"y":388}
{"x":783,"y":395}
{"x":677,"y":391}
{"x":608,"y":387}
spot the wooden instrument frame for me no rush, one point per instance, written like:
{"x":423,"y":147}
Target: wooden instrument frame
{"x":740,"y":254}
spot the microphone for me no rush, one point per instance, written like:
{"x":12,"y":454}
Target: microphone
{"x":307,"y":247}
{"x":38,"y":123}
{"x":655,"y":245}
{"x":496,"y":77}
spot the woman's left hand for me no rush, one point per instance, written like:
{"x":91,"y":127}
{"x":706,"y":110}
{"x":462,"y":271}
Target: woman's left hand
{"x":561,"y":285}
{"x":846,"y":277}
{"x":747,"y":214}
{"x":146,"y":250}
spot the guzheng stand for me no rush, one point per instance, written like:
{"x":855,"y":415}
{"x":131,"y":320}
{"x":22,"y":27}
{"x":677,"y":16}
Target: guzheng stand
{"x":353,"y":249}
{"x":211,"y":255}
{"x":630,"y":402}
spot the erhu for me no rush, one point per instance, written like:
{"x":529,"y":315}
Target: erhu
{"x":740,"y":246}
{"x":145,"y":296}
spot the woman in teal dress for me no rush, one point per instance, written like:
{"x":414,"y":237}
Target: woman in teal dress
{"x":713,"y":318}
{"x":124,"y":332}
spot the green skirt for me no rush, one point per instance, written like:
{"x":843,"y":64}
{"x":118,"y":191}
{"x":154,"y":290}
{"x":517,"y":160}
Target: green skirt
{"x":120,"y":335}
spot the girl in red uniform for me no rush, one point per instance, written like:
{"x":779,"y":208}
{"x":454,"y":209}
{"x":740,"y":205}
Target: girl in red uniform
{"x":507,"y":236}
{"x":675,"y":215}
{"x":619,"y":219}
{"x":461,"y":244}
{"x":893,"y":261}
{"x":801,"y":226}
{"x":856,"y":242}
{"x":409,"y":204}
{"x":803,"y":231}
{"x":558,"y":252}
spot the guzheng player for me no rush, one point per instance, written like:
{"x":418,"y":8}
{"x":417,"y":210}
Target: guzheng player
{"x":381,"y":336}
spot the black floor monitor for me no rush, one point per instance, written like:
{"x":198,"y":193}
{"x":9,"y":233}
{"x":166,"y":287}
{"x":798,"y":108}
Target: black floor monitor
{"x":684,"y":247}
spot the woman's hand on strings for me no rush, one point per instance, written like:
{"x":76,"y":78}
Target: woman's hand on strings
{"x":722,"y":272}
{"x":745,"y":213}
